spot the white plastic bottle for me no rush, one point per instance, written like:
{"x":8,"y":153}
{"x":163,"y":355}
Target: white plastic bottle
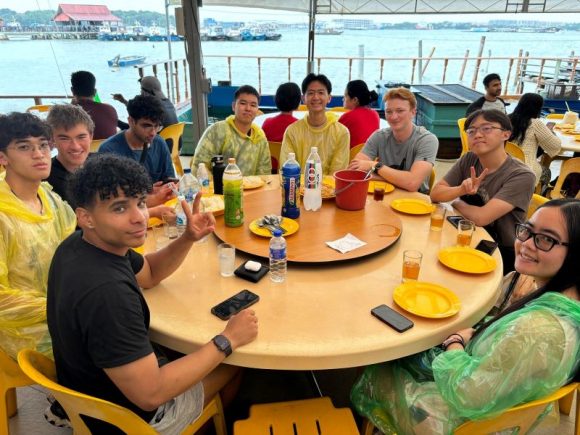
{"x":278,"y":258}
{"x":188,"y":188}
{"x":203,"y":178}
{"x":313,"y":181}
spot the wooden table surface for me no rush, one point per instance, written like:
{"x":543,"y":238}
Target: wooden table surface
{"x":319,"y":318}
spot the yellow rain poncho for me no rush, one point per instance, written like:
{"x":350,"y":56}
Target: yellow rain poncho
{"x":27,"y":244}
{"x":521,"y":357}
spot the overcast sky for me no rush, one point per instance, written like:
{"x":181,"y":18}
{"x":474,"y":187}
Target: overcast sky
{"x":248,"y":14}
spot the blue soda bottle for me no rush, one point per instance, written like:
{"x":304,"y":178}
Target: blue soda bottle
{"x":291,"y":188}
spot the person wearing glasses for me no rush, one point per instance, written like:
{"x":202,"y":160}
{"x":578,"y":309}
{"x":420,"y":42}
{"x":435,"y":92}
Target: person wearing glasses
{"x":527,"y":351}
{"x":33,"y":221}
{"x":404,"y":153}
{"x":488,"y":186}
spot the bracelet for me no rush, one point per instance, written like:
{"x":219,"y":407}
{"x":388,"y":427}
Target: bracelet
{"x":453,"y":339}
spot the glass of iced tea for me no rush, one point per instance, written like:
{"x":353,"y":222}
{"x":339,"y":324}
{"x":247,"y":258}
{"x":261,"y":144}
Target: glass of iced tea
{"x":465,"y":231}
{"x":438,"y":216}
{"x":411,"y":265}
{"x":379,"y":190}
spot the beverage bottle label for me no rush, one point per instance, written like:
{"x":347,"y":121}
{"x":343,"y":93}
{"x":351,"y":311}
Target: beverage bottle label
{"x":278,"y":253}
{"x":312,"y":175}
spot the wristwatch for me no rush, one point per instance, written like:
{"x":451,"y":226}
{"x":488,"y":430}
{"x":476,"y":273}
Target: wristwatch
{"x":377,"y":166}
{"x":453,"y":339}
{"x":223,"y":344}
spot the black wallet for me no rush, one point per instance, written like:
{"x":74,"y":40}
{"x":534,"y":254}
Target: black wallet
{"x":242,"y":272}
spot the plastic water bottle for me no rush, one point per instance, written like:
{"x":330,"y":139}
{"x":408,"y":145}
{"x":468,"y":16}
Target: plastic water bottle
{"x":291,"y":188}
{"x":203,"y":178}
{"x":313,"y":181}
{"x":233,"y":195}
{"x":278,"y":257}
{"x":188,"y":188}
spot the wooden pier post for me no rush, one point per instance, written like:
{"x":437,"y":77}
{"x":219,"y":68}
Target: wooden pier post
{"x":289,"y":68}
{"x":230,"y":69}
{"x":478,"y":62}
{"x":381,"y":68}
{"x":509,"y":73}
{"x":517,"y":77}
{"x":464,"y":65}
{"x":176,"y":81}
{"x":422,"y":73}
{"x":539,"y":80}
{"x":413,"y":71}
{"x":445,"y":63}
{"x":350,"y":69}
{"x":260,"y":75}
{"x":185,"y":79}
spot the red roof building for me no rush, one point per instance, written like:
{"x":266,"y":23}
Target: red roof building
{"x":84,"y":14}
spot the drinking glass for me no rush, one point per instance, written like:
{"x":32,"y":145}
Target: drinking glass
{"x":170,"y":225}
{"x":411,"y":265}
{"x":438,"y":217}
{"x":465,"y":231}
{"x":227,"y":257}
{"x":379,"y":190}
{"x":160,"y":236}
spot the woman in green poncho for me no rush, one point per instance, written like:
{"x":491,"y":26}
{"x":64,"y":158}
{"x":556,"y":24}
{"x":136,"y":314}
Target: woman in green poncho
{"x":526,"y":352}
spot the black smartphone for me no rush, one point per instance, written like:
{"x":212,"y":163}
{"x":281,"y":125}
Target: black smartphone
{"x":170,"y":180}
{"x":454,"y":220}
{"x":389,"y":316}
{"x":226,"y":309}
{"x":486,"y":246}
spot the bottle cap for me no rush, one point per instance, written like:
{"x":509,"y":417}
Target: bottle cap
{"x":314,"y":149}
{"x":232,"y":161}
{"x":291,"y":156}
{"x":187,"y":170}
{"x":277,"y":233}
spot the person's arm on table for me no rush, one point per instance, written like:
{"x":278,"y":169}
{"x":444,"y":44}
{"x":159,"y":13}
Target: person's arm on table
{"x":148,"y":386}
{"x":161,"y":264}
{"x":484,"y":215}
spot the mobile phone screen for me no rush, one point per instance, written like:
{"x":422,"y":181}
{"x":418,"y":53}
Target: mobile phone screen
{"x":226,"y":309}
{"x":486,"y":246}
{"x":389,"y":316}
{"x":454,"y":220}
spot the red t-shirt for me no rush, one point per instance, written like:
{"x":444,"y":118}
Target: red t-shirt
{"x":361,"y":122}
{"x":274,"y":129}
{"x":103,"y":115}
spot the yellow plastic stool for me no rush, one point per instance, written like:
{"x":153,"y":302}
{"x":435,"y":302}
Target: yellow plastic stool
{"x":301,"y":417}
{"x":174,"y":132}
{"x":10,"y":377}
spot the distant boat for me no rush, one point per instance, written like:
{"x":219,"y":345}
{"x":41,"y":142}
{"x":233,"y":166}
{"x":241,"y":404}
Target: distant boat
{"x":126,"y":60}
{"x":234,"y":35}
{"x":272,"y":36}
{"x":18,"y":36}
{"x":329,"y":29}
{"x":216,"y":33}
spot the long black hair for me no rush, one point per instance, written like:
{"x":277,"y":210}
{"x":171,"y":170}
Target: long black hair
{"x":567,"y":276}
{"x":529,"y":107}
{"x":359,"y":89}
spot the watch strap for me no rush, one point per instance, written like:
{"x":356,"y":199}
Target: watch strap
{"x":377,"y":166}
{"x":223,"y":344}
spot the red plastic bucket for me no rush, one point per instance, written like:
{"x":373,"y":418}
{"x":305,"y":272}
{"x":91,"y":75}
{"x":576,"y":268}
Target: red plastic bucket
{"x":351,"y":189}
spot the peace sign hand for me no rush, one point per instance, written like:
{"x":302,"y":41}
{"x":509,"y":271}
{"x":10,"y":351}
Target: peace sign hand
{"x":199,"y":224}
{"x":470,"y":186}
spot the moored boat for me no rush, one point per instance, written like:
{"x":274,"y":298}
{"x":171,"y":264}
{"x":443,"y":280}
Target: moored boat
{"x":123,"y":61}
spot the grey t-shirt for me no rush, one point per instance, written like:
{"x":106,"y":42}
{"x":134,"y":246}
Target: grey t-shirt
{"x":422,"y":145}
{"x":494,"y":105}
{"x":513,"y":183}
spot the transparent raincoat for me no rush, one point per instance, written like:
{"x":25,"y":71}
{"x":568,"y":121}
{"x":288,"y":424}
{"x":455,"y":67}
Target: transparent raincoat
{"x":27,"y":244}
{"x":524,"y":356}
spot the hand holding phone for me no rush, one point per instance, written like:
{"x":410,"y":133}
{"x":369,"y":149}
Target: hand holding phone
{"x":226,"y":309}
{"x":389,"y":316}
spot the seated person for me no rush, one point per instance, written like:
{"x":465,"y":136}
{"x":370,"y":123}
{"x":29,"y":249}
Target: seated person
{"x":98,"y":318}
{"x":104,"y":115}
{"x":487,"y":185}
{"x":33,"y":221}
{"x":404,"y":153}
{"x":524,"y":353}
{"x":237,"y":137}
{"x":491,"y":99}
{"x":531,"y":134}
{"x":361,"y":120}
{"x":287,"y":100}
{"x":317,"y":129}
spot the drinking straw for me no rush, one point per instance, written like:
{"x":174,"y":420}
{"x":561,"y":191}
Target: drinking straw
{"x":567,"y":107}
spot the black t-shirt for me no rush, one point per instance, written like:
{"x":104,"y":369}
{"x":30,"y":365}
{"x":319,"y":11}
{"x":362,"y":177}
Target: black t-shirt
{"x":58,"y":179}
{"x":97,"y":317}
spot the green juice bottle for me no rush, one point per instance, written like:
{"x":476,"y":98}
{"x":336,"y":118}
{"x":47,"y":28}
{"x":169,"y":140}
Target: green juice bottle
{"x":233,"y":195}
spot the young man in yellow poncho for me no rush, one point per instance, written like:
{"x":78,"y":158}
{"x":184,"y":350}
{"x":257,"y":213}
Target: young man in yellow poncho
{"x":33,"y":222}
{"x":237,"y":137}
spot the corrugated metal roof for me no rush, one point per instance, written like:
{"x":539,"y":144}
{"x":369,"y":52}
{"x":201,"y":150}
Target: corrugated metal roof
{"x":67,"y":12}
{"x":409,"y":6}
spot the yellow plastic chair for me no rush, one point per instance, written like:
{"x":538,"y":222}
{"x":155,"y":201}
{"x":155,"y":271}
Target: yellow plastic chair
{"x":463,"y":135}
{"x":10,"y":377}
{"x":301,"y":417}
{"x":275,"y":148}
{"x":39,"y":108}
{"x":515,"y":151}
{"x":555,"y":116}
{"x":43,"y":371}
{"x":95,"y":144}
{"x":339,"y":109}
{"x":522,"y":416}
{"x":302,"y":108}
{"x":355,"y":150}
{"x":174,"y":132}
{"x":537,"y":200}
{"x":570,"y":166}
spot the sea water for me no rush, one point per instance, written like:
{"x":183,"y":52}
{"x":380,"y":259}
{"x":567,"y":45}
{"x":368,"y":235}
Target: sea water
{"x":31,"y":68}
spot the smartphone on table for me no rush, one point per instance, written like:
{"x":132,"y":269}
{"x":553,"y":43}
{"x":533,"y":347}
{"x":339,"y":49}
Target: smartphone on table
{"x":486,"y":246}
{"x":454,"y":220}
{"x":226,"y":309}
{"x":389,"y":316}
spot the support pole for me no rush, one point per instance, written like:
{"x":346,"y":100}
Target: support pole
{"x":171,"y":81}
{"x":361,"y":62}
{"x":420,"y":61}
{"x":311,"y":29}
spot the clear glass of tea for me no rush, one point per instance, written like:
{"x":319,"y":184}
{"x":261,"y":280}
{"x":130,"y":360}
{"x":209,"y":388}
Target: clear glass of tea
{"x":465,"y":230}
{"x":411,"y":265}
{"x":438,"y":217}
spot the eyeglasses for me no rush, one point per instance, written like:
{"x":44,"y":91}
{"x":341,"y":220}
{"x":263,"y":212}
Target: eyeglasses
{"x":148,"y":126}
{"x":27,"y":148}
{"x":541,"y":241}
{"x":485,"y":129}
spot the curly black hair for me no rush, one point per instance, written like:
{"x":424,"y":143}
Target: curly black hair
{"x":18,"y":125}
{"x":104,"y":175}
{"x":145,"y":107}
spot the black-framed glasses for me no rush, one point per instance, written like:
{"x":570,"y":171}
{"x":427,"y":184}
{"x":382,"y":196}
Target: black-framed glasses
{"x":485,"y":129}
{"x":542,"y":241}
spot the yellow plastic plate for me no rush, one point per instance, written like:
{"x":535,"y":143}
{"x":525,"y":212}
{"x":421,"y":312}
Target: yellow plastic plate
{"x":388,"y":186}
{"x":327,"y":188}
{"x":213,"y":203}
{"x":412,"y":206}
{"x":290,"y":225}
{"x":426,"y":299}
{"x":465,"y":259}
{"x":252,"y":182}
{"x":577,"y":138}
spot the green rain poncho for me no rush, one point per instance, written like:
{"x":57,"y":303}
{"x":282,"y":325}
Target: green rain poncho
{"x":27,"y":244}
{"x":523,"y":356}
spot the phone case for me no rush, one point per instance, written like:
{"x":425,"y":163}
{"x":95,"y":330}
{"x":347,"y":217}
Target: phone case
{"x":249,"y":275}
